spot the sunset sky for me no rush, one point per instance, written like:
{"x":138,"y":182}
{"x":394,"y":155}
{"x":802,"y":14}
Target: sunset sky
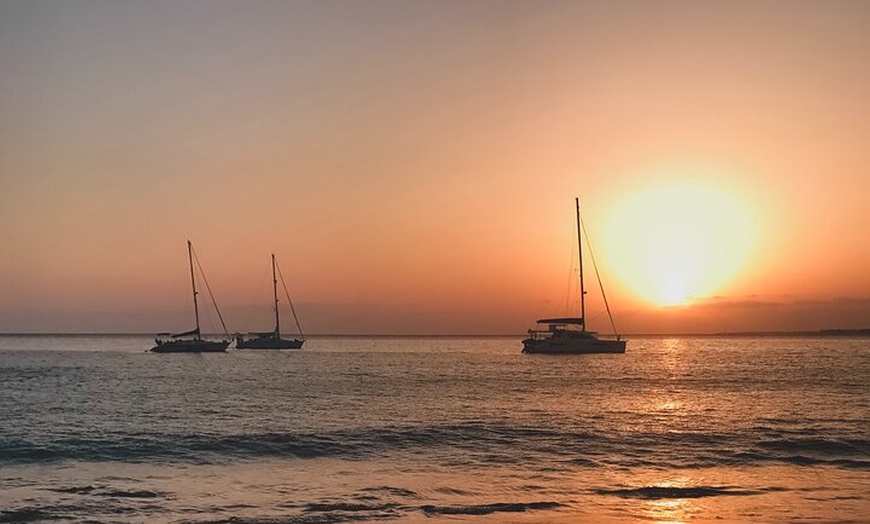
{"x":413,"y":165}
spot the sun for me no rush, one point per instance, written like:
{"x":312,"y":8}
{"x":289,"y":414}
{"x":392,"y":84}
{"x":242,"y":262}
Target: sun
{"x":678,"y":241}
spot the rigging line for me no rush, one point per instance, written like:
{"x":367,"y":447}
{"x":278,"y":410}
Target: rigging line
{"x":572,"y":282}
{"x":210,"y":294}
{"x":598,"y":276}
{"x":289,"y":300}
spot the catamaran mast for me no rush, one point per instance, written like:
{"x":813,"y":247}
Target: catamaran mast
{"x":275,"y":294}
{"x":193,"y":284}
{"x":580,"y":258}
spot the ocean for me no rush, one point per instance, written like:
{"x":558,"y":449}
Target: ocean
{"x":410,"y":430}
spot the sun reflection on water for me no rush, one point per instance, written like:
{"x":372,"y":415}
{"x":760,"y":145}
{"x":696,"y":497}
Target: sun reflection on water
{"x":671,"y":510}
{"x":674,"y":511}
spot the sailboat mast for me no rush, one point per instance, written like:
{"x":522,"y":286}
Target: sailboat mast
{"x":580,"y":259}
{"x":275,"y":294}
{"x":193,"y":285}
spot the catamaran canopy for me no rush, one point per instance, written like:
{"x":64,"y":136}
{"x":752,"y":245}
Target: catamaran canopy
{"x":568,"y":320}
{"x":187,"y":333}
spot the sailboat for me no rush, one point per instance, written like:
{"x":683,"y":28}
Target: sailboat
{"x":179,"y":343}
{"x":272,"y":339}
{"x":568,"y":335}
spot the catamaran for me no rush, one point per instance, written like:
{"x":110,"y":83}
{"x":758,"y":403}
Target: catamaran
{"x":568,"y":335}
{"x":272,"y":339}
{"x":179,"y":343}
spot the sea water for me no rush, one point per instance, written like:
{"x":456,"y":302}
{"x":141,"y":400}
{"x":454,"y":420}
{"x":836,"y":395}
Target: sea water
{"x":95,"y":429}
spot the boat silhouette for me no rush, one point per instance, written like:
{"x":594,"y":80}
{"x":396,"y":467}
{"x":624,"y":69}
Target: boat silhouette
{"x":272,"y":339}
{"x":568,"y":335}
{"x":179,"y":342}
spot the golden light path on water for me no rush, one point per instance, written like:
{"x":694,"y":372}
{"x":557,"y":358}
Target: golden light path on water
{"x":678,"y":240}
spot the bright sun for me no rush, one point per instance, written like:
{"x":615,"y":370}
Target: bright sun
{"x":676,"y":242}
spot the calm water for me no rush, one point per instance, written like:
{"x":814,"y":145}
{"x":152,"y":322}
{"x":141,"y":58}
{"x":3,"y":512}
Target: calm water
{"x":435,"y":429}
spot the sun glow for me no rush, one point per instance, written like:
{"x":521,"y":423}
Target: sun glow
{"x":673,"y":243}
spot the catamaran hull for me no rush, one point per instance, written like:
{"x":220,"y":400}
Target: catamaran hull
{"x":572,"y":347}
{"x":269,"y":343}
{"x":191,"y":346}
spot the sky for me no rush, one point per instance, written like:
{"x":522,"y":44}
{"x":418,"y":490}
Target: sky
{"x":413,"y":165}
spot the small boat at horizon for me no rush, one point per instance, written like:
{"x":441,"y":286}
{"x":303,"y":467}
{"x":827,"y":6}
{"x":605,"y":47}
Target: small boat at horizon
{"x":272,"y":339}
{"x":177,"y":343}
{"x":568,"y":335}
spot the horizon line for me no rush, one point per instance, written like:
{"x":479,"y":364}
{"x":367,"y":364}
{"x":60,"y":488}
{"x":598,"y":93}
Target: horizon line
{"x":794,"y":333}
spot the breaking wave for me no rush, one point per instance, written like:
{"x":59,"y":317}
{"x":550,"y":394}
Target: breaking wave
{"x":670,"y":492}
{"x":487,"y":509}
{"x":473,"y":443}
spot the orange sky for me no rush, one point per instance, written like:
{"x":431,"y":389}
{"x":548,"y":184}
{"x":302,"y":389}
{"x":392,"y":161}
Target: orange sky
{"x":413,"y":164}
